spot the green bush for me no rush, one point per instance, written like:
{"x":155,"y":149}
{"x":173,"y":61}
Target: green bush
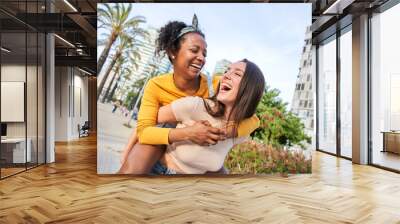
{"x":278,"y":126}
{"x":252,"y":157}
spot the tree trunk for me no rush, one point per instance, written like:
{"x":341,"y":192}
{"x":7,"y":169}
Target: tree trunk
{"x":110,"y":96}
{"x":105,"y":77}
{"x":105,"y":52}
{"x":116,"y":71}
{"x":108,"y":88}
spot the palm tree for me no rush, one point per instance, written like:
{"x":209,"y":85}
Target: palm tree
{"x":124,"y":70}
{"x":115,"y":19}
{"x":115,"y":71}
{"x":151,"y":72}
{"x":127,"y":76}
{"x":126,"y":48}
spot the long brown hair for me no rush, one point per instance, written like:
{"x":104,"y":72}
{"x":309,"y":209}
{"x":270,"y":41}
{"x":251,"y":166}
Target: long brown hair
{"x":251,"y":89}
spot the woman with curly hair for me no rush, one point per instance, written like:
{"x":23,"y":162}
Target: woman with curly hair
{"x":186,"y":48}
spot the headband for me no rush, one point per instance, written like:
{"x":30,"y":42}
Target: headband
{"x":193,"y":28}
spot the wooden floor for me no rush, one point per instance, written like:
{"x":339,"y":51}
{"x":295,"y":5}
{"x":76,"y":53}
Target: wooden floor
{"x":70,"y":191}
{"x":387,"y":159}
{"x":10,"y":171}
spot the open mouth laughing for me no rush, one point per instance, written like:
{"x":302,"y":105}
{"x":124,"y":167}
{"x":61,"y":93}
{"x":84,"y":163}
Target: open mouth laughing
{"x":225,"y":87}
{"x":196,"y":67}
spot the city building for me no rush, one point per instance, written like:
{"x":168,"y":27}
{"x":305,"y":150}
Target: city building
{"x":303,"y":98}
{"x":221,"y":66}
{"x":148,"y":58}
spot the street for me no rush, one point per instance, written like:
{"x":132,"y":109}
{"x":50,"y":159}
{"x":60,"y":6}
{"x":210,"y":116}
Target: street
{"x":112,"y":137}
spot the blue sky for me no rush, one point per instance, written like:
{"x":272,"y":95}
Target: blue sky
{"x":271,"y":35}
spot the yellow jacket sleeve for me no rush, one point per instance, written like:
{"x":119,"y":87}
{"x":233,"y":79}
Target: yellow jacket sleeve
{"x":147,"y":118}
{"x":247,"y":126}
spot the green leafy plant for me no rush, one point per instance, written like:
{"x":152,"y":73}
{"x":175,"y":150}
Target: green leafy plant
{"x":278,"y":126}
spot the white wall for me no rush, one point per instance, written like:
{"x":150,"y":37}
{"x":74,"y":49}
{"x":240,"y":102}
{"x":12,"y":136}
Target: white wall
{"x":33,"y":126}
{"x":71,"y":94}
{"x":62,"y":80}
{"x":79,"y":102}
{"x":14,"y":73}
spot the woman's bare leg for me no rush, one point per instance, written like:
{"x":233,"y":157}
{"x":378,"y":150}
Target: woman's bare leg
{"x":131,"y":142}
{"x":141,"y":159}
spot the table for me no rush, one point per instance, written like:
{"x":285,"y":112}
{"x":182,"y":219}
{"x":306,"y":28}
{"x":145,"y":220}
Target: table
{"x":391,"y":141}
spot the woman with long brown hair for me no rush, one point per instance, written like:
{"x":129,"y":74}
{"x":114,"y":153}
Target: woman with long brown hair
{"x":239,"y":92}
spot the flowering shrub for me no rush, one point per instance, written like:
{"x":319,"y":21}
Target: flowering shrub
{"x":252,"y":157}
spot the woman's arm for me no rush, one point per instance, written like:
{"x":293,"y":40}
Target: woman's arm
{"x":129,"y":146}
{"x":147,"y":131}
{"x":245,"y":128}
{"x":166,"y":115}
{"x":201,"y":132}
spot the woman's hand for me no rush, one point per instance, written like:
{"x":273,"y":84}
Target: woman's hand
{"x":230,"y":130}
{"x":201,"y":133}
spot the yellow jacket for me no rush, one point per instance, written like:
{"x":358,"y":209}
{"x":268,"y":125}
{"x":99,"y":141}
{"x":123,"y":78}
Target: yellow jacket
{"x":161,"y":91}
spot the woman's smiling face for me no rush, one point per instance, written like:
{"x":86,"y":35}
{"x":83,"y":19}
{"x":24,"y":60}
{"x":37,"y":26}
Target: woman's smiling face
{"x":191,"y":57}
{"x":230,"y":83}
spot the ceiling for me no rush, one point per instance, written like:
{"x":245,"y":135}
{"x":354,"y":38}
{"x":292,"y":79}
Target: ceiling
{"x":74,"y":22}
{"x":328,"y":16}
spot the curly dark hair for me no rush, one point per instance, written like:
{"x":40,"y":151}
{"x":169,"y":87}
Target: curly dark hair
{"x":167,"y":40}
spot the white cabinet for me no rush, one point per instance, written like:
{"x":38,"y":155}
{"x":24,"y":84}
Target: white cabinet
{"x":17,"y":146}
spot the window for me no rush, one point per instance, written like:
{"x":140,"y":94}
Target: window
{"x":327,"y":96}
{"x":385,"y":86}
{"x":23,"y":62}
{"x":346,"y":94}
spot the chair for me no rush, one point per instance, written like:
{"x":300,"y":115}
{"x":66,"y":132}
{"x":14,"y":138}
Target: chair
{"x":84,"y":130}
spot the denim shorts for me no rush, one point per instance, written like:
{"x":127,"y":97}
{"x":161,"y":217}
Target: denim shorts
{"x":166,"y":125}
{"x":160,"y":169}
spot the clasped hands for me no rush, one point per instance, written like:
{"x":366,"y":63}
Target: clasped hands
{"x":203,"y":133}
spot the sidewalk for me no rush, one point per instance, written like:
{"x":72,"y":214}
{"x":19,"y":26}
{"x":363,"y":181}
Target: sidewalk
{"x":112,"y":137}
